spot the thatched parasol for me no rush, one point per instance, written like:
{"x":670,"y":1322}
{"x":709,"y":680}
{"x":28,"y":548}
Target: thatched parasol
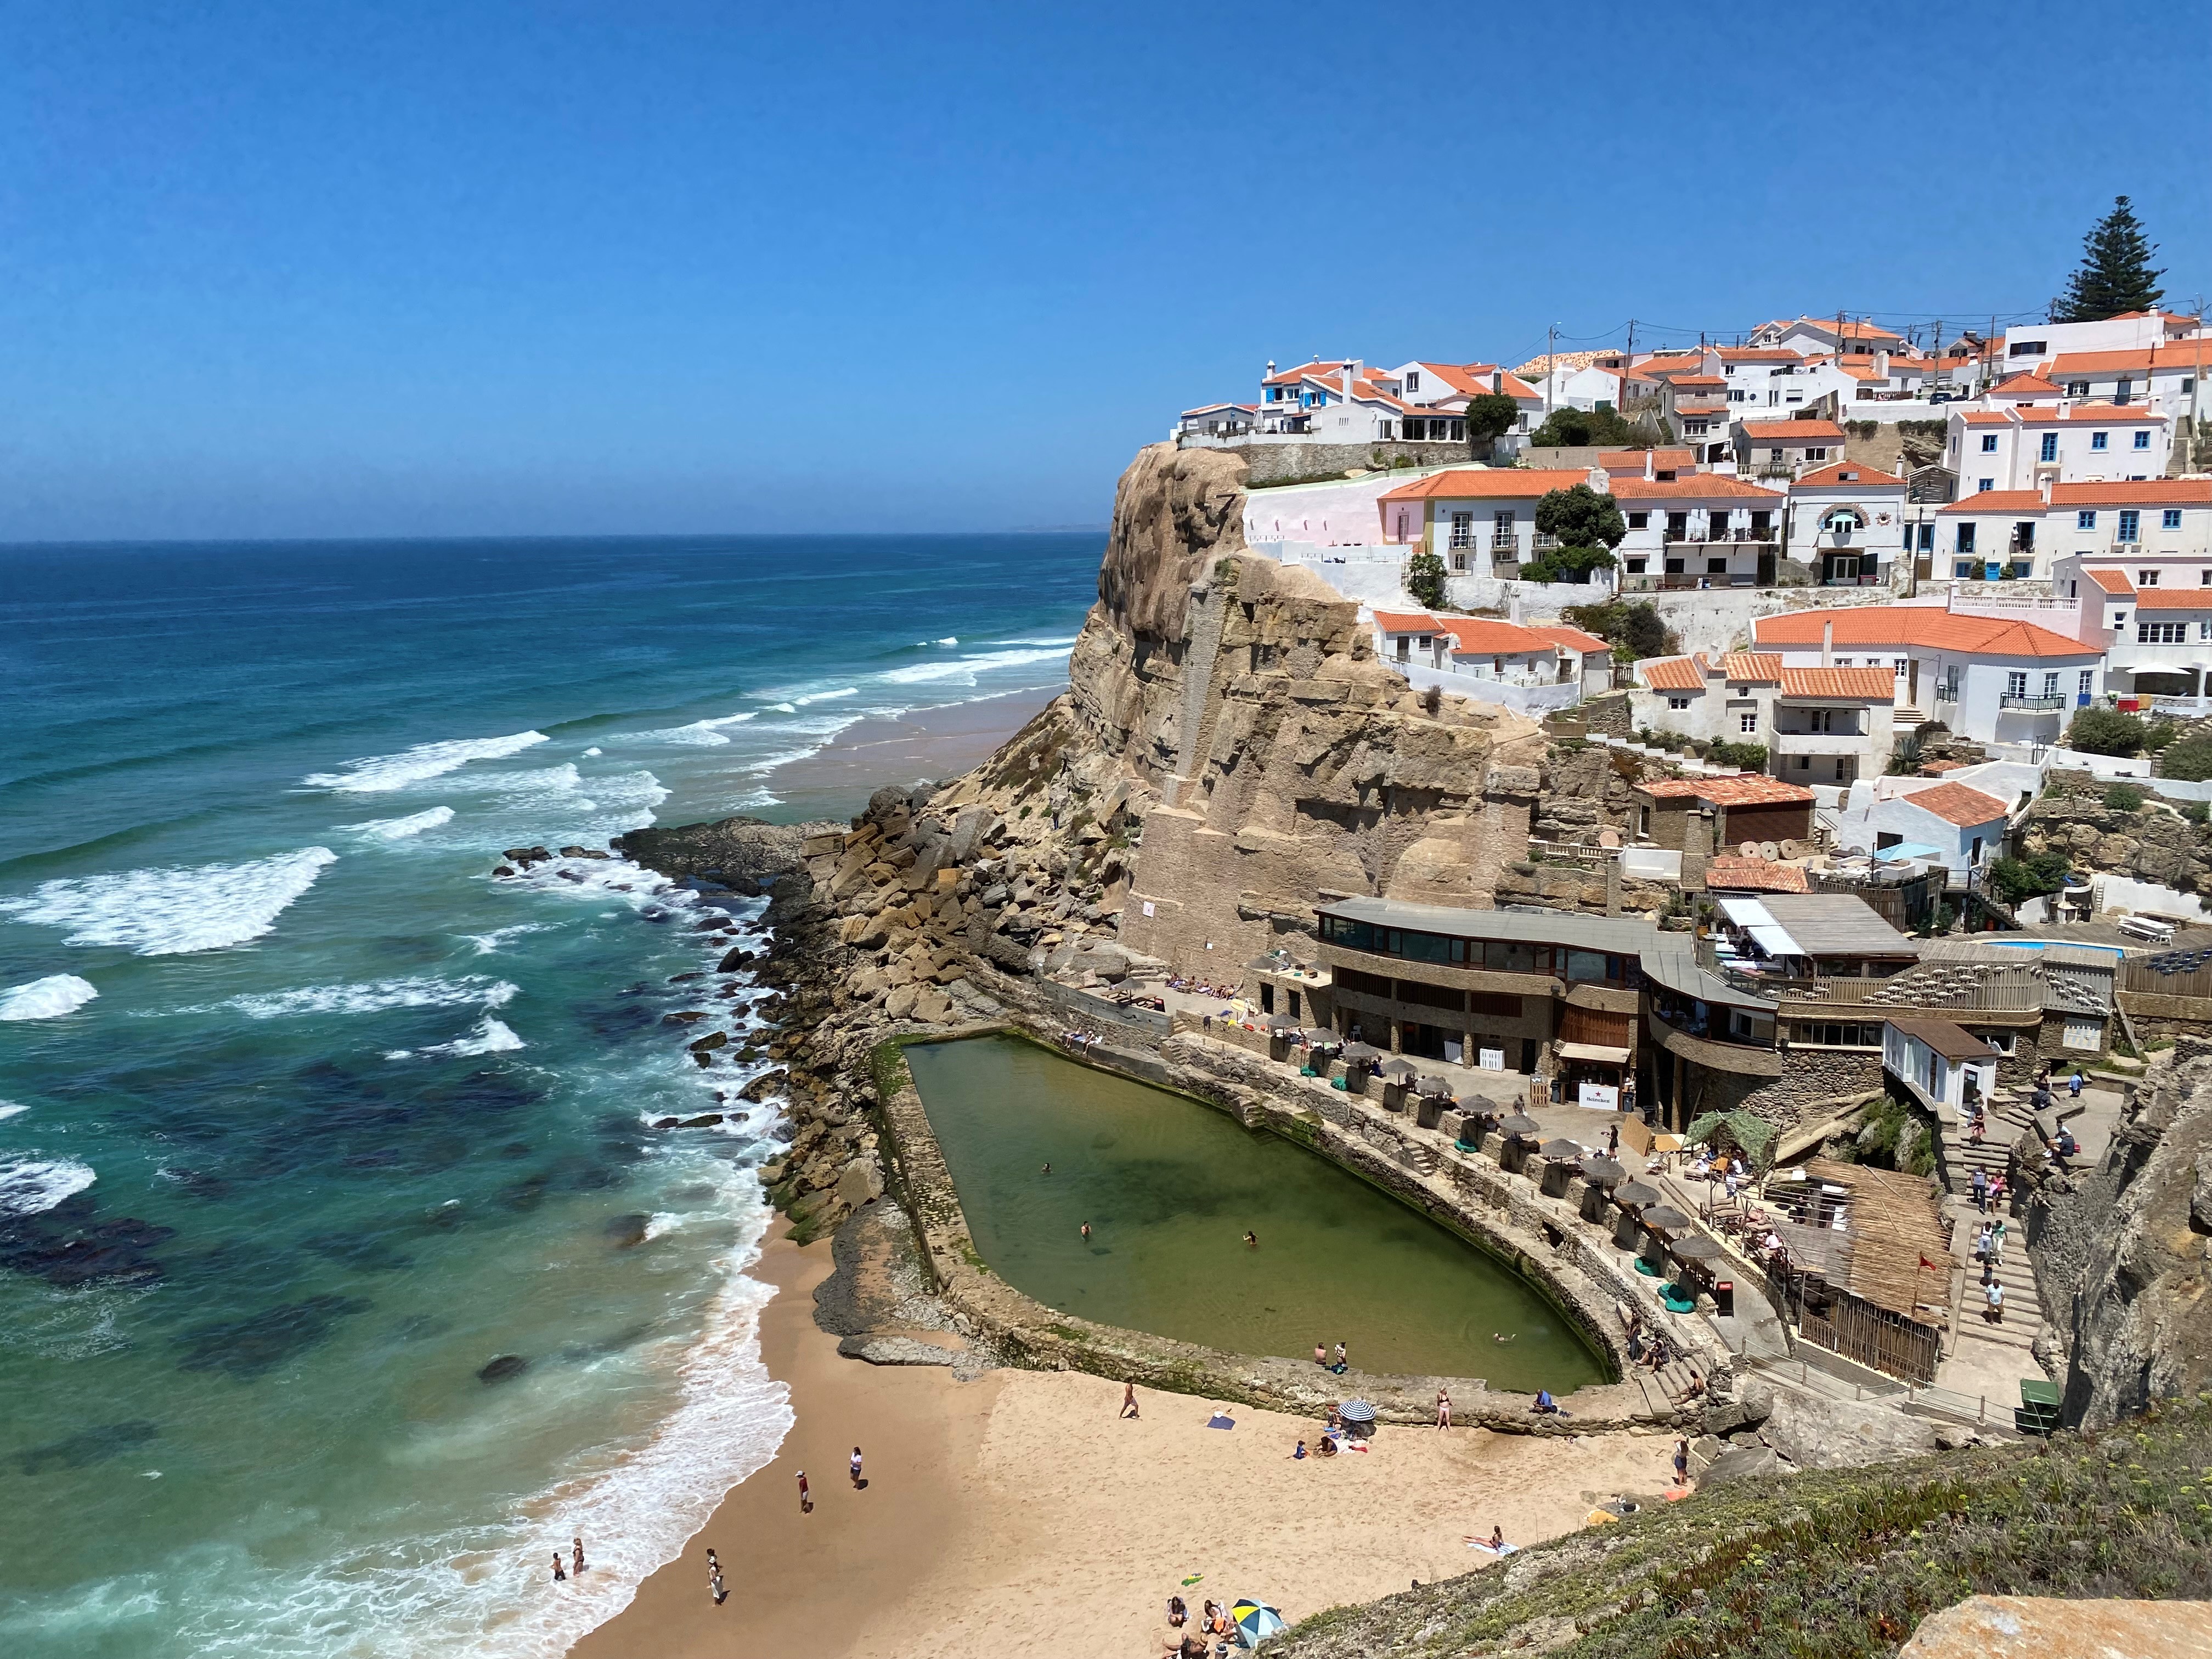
{"x":1666,"y":1219}
{"x":1520,"y":1124}
{"x":1563,"y":1151}
{"x":1638,"y":1192}
{"x":1360,"y":1054}
{"x":1602,"y":1169}
{"x":1399,"y":1067}
{"x":1694,"y":1247}
{"x":1434,"y":1086}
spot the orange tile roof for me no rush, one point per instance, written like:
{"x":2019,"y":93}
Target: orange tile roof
{"x":1749,"y":789}
{"x":1760,"y":355}
{"x":1954,"y":803}
{"x":2028,"y":384}
{"x":1918,"y":625}
{"x":1484,"y":636}
{"x":1662,"y":460}
{"x":2113,"y":581}
{"x":1208,"y":408}
{"x":1998,"y":501}
{"x":1857,"y":684}
{"x":1675,"y":673}
{"x":2094,"y":414}
{"x":1753,"y":667}
{"x":1683,"y":382}
{"x":1848,"y":472}
{"x":1498,"y":483}
{"x":2132,"y":492}
{"x":1698,"y":487}
{"x":1667,"y":367}
{"x":1407,"y":622}
{"x":1988,"y":417}
{"x":1573,"y":638}
{"x":2145,"y":358}
{"x":1787,"y":432}
{"x":1744,"y":875}
{"x":2173,"y":598}
{"x":1297,"y":372}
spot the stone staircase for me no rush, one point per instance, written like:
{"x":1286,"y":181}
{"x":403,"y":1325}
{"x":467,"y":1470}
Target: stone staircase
{"x":1957,"y":1155}
{"x":2023,"y":1305}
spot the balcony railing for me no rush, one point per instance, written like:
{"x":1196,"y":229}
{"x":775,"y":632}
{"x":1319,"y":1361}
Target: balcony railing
{"x":2010,"y":701}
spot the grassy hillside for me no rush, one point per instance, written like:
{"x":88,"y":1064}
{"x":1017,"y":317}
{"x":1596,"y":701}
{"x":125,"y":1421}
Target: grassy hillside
{"x":1829,"y":1566}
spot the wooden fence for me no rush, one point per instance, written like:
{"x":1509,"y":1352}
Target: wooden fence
{"x":1848,"y":1325}
{"x":2138,"y":975}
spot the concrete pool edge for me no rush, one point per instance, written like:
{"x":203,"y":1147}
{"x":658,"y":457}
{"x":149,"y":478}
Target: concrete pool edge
{"x":1027,"y":1333}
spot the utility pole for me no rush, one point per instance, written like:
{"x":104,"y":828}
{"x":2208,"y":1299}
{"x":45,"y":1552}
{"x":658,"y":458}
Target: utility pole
{"x":2196,"y":385}
{"x":1989,"y":351}
{"x":1551,"y":364}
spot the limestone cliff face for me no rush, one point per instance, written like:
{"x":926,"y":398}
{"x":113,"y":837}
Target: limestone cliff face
{"x":2124,"y":1247}
{"x":1229,"y":715}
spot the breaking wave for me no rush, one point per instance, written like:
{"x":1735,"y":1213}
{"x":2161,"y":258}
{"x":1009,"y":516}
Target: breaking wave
{"x":400,"y":828}
{"x":45,"y":998}
{"x":381,"y":774}
{"x":29,"y":1185}
{"x":173,"y":912}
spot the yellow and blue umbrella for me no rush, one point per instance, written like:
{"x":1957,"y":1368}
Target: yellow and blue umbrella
{"x":1255,"y":1621}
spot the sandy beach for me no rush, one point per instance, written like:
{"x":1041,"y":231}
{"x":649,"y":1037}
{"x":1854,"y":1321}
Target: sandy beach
{"x":1021,"y":1502}
{"x":837,"y":781}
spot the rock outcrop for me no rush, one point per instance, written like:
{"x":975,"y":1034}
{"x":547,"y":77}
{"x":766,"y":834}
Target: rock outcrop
{"x":2122,"y":1250}
{"x":2150,"y":842}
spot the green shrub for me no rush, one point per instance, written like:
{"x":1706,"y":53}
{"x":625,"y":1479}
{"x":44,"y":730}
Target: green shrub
{"x":1567,"y":564}
{"x":2161,"y":733}
{"x":1634,"y":630}
{"x":2106,"y":731}
{"x":2195,"y":811}
{"x":2124,"y":798}
{"x":1425,"y":579}
{"x":1574,"y":428}
{"x":1751,"y":757}
{"x":1905,"y":758}
{"x":2016,"y":879}
{"x":2190,"y":759}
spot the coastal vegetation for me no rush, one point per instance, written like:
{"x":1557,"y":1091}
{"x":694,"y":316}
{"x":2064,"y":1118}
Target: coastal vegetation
{"x":1834,"y":1565}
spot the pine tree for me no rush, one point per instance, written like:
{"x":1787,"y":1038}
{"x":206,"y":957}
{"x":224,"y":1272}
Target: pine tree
{"x":2115,"y":276}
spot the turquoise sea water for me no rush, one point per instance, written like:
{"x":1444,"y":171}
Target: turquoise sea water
{"x":305,"y":1120}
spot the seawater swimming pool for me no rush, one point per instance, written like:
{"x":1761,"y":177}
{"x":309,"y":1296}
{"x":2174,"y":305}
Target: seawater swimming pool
{"x":1169,"y":1188}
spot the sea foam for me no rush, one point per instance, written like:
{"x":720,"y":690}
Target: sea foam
{"x":422,"y":991}
{"x":45,"y":998}
{"x":488,"y":1037}
{"x":381,"y":774}
{"x":400,"y":829}
{"x":966,"y":668}
{"x":28,"y":1185}
{"x":173,"y":912}
{"x":9,"y":1109}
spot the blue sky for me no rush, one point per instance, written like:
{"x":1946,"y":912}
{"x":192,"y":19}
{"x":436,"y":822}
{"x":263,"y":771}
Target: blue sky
{"x":352,"y":271}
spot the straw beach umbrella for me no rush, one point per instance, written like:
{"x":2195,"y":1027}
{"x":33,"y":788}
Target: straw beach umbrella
{"x":1434,"y":1086}
{"x":1694,"y":1247}
{"x":1522,"y":1124}
{"x":1399,"y":1067}
{"x":1562,"y":1150}
{"x":1603,"y":1170}
{"x":1282,"y":1022}
{"x":1638,"y":1192}
{"x":1666,"y":1219}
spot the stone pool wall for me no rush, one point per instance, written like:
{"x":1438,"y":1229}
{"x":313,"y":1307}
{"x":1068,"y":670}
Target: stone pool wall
{"x":1503,"y":1214}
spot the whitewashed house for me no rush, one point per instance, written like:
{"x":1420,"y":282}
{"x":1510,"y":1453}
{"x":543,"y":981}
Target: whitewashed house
{"x":1814,"y":336}
{"x":1949,"y":1069}
{"x":1990,"y":678}
{"x":1783,"y":449}
{"x":1932,"y":819}
{"x":1218,"y":419}
{"x":1479,"y":520}
{"x":1707,"y":530}
{"x":2143,"y":527}
{"x":1847,"y":522}
{"x":1757,"y":377}
{"x":1413,"y":638}
{"x":2018,"y":445}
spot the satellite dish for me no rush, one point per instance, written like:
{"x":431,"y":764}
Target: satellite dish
{"x":1768,"y":851}
{"x":1608,"y":837}
{"x":1790,"y":849}
{"x":1749,"y":850}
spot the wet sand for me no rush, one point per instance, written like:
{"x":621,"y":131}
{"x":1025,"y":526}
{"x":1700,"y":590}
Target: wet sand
{"x":1021,"y":1505}
{"x":936,"y":743}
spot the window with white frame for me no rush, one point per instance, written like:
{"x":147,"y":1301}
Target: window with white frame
{"x":2162,"y":633}
{"x":2050,"y":683}
{"x":1678,"y":702}
{"x":1902,"y":664}
{"x":2016,"y":683}
{"x":2089,"y":675}
{"x":2077,"y":388}
{"x":1462,"y":529}
{"x":1749,"y":722}
{"x":2146,"y":579}
{"x":2204,"y":631}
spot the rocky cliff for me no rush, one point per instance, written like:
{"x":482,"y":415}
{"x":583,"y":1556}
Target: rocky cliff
{"x":2121,"y":1250}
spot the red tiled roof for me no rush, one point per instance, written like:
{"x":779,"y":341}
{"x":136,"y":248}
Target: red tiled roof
{"x":2173,"y":598}
{"x":1998,"y":501}
{"x":1208,"y":408}
{"x":1573,"y":638}
{"x":2134,"y":492}
{"x":2026,"y":384}
{"x":2113,"y":581}
{"x":1858,"y":684}
{"x":1749,"y":789}
{"x":2145,"y":358}
{"x":1988,"y":417}
{"x":1662,"y":460}
{"x":1760,"y":355}
{"x":1485,"y":636}
{"x":1698,"y":487}
{"x":1407,"y":622}
{"x":2092,"y":415}
{"x":1744,"y":875}
{"x":1753,"y":667}
{"x":1918,"y":625}
{"x":1675,"y":673}
{"x":1954,"y":803}
{"x":1788,"y":432}
{"x":1682,"y":382}
{"x":1848,"y":472}
{"x":1498,"y":483}
{"x":1297,"y":372}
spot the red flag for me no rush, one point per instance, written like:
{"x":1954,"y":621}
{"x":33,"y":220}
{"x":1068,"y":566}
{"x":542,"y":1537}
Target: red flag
{"x":1930,"y":1265}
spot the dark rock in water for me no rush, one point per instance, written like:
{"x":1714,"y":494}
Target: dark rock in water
{"x":258,"y":1344}
{"x":735,"y":960}
{"x":516,"y":855}
{"x":571,"y":875}
{"x":713,"y":1040}
{"x":67,"y":1247}
{"x":527,"y":1193}
{"x":624,"y":1230}
{"x":688,"y":1016}
{"x":86,"y":1447}
{"x":715,"y":920}
{"x":762,"y":1086}
{"x":666,"y":1122}
{"x":678,"y":978}
{"x":653,"y":915}
{"x":502,"y":870}
{"x":704,"y":1057}
{"x":747,"y":886}
{"x":704,"y":1121}
{"x":501,"y":1369}
{"x":444,"y":1217}
{"x":366,"y":1251}
{"x":574,"y":853}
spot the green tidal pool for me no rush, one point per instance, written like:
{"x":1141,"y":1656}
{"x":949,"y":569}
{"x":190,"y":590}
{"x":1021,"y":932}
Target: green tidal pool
{"x":1169,"y":1188}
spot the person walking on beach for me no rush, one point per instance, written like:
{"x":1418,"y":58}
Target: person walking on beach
{"x":805,"y":1498}
{"x":1981,"y":1190}
{"x":857,"y":1482}
{"x":1444,"y":1409}
{"x":576,"y":1568}
{"x":1128,"y":1399}
{"x":1682,"y":1462}
{"x":714,"y":1578}
{"x":559,"y":1577}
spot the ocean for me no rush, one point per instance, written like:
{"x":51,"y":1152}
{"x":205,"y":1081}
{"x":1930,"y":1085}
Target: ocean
{"x":342,"y":1279}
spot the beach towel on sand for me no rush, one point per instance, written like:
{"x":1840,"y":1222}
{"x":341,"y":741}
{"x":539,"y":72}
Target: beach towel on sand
{"x":1220,"y":1420}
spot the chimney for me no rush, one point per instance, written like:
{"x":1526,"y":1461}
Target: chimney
{"x":1881,"y":364}
{"x":1601,"y":481}
{"x":1513,"y":611}
{"x":1271,"y":368}
{"x":1650,"y":464}
{"x":1828,"y":643}
{"x":2044,"y":482}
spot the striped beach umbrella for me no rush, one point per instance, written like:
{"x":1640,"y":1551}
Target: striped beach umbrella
{"x":1255,"y":1621}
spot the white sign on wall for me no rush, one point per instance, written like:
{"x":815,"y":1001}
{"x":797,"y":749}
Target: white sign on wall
{"x":1599,"y":1096}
